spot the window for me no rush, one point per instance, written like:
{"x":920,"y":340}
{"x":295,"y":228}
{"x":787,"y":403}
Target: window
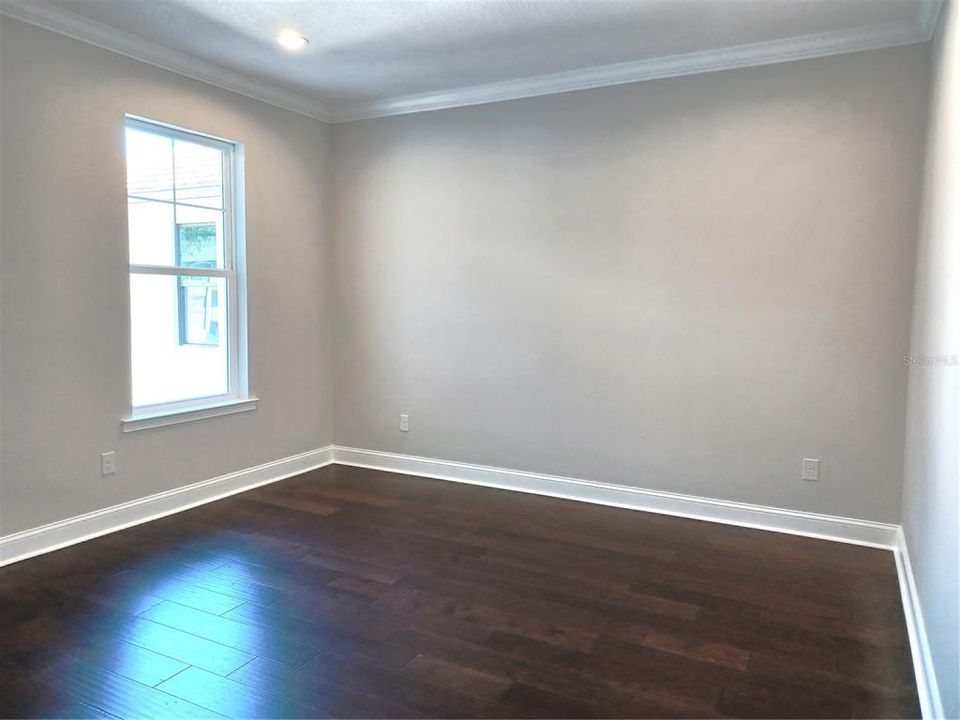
{"x":187,"y":305}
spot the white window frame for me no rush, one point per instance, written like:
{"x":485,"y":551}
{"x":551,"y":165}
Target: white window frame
{"x":237,"y":398}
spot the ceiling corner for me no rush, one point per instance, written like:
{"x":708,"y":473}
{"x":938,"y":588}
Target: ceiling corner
{"x":928,"y":16}
{"x":64,"y":22}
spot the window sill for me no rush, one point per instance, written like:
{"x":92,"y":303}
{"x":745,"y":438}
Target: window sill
{"x":175,"y":417}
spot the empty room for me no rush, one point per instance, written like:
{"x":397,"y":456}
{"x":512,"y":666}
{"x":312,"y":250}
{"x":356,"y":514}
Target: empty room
{"x":479,"y":358}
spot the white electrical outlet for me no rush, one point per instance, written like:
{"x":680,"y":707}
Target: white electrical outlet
{"x":108,"y":463}
{"x":404,"y":423}
{"x":810,"y":470}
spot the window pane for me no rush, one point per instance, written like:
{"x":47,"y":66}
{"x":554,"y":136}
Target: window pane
{"x":199,"y":170}
{"x":149,"y":165}
{"x":199,"y":308}
{"x":199,"y":237}
{"x":196,"y":245}
{"x":151,"y":227}
{"x":179,"y":337}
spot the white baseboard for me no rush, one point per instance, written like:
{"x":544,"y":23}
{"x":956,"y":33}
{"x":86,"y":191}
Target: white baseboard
{"x":46,"y":538}
{"x":827,"y":527}
{"x":931,"y":704}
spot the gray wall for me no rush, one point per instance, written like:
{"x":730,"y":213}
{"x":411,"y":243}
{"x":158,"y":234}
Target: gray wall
{"x":64,"y":292}
{"x":686,"y":285}
{"x":931,"y":504}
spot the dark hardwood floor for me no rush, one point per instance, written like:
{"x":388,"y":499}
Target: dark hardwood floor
{"x":354,"y":593}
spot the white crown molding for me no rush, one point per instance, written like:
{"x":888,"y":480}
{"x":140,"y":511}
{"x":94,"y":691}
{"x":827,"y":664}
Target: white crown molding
{"x":741,"y":56}
{"x":793,"y":522}
{"x":64,"y":22}
{"x":54,"y":536}
{"x":931,"y":704}
{"x":42,"y":14}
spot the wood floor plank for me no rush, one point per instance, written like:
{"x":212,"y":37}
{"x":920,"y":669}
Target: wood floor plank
{"x":131,"y":661}
{"x":356,"y":568}
{"x":318,"y":691}
{"x":233,"y":699}
{"x":118,"y":695}
{"x":590,"y":680}
{"x":30,"y":698}
{"x":293,"y":502}
{"x":716,"y":653}
{"x":526,"y":701}
{"x":473,"y":619}
{"x":110,"y":594}
{"x":394,"y":687}
{"x":179,"y":645}
{"x":230,"y":632}
{"x":764,"y":698}
{"x":225,"y":580}
{"x":458,"y":678}
{"x":179,"y":591}
{"x":361,"y":636}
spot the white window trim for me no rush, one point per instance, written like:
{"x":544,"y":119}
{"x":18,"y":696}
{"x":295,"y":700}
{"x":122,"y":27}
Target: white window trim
{"x":238,"y":399}
{"x":144,"y":421}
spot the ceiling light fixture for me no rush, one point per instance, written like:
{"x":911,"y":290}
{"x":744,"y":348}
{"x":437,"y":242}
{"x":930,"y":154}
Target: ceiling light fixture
{"x":292,"y":40}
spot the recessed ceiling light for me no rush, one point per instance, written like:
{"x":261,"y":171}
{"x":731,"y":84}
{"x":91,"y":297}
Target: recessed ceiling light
{"x":292,"y":40}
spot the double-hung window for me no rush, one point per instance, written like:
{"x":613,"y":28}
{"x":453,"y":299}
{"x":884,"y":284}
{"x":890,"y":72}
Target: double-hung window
{"x":187,"y":304}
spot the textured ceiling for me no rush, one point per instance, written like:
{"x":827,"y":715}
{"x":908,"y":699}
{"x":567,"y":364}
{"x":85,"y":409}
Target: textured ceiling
{"x":364,"y":50}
